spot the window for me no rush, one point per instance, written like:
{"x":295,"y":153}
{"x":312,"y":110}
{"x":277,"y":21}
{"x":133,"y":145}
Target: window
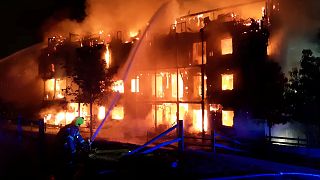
{"x":197,"y":53}
{"x":118,"y":86}
{"x":174,"y":85}
{"x":227,"y":81}
{"x":117,"y":113}
{"x":135,"y":85}
{"x":227,"y":118}
{"x":226,"y":46}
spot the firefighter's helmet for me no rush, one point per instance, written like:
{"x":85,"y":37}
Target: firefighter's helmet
{"x":79,"y":121}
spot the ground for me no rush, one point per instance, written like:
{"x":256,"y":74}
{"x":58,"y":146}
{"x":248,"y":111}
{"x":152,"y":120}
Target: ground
{"x":30,"y":156}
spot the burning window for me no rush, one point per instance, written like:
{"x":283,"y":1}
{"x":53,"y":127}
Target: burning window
{"x":227,"y":81}
{"x":226,"y":46}
{"x":117,"y":113}
{"x":227,"y":118}
{"x":135,"y":85}
{"x":54,"y":88}
{"x":197,"y":120}
{"x":174,"y":85}
{"x":60,"y":85}
{"x":198,"y":86}
{"x":160,"y":78}
{"x":118,"y":86}
{"x":101,"y":112}
{"x":197,"y":53}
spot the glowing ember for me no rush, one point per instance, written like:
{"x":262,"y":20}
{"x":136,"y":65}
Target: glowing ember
{"x":226,"y":46}
{"x":227,"y":81}
{"x":227,"y":118}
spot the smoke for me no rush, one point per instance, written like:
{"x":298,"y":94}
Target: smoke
{"x":133,"y":15}
{"x":299,"y":22}
{"x":20,"y":84}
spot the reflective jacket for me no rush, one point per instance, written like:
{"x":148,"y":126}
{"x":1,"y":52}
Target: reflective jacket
{"x":74,"y":138}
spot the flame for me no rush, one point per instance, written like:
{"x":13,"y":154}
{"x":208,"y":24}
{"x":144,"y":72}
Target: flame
{"x":227,"y":81}
{"x":226,"y":46}
{"x":117,"y":113}
{"x":133,"y":34}
{"x":54,"y":86}
{"x":102,"y":112}
{"x":118,"y":86}
{"x":197,"y":120}
{"x":174,"y":85}
{"x":107,"y":56}
{"x":227,"y":118}
{"x":64,"y":117}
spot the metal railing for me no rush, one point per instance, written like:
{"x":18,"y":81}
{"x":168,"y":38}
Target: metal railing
{"x":179,"y":139}
{"x":286,"y":141}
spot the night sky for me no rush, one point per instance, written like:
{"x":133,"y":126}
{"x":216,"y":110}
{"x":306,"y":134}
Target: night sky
{"x":21,"y":20}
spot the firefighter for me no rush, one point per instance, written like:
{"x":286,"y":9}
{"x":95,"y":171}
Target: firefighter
{"x":73,"y":141}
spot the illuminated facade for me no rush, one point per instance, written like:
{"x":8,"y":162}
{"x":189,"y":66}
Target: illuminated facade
{"x":188,"y":72}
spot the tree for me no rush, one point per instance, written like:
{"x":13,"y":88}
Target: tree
{"x":263,"y":91}
{"x":303,"y":91}
{"x":92,"y":76}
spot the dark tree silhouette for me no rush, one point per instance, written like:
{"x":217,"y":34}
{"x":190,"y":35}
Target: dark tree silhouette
{"x":92,"y":76}
{"x":304,"y":88}
{"x":263,"y":91}
{"x":303,"y":91}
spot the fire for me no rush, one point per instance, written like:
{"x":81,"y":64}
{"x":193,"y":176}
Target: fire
{"x":63,"y":117}
{"x":197,"y":120}
{"x":117,"y":113}
{"x":174,"y":85}
{"x":118,"y":86}
{"x":54,"y":88}
{"x":227,"y":118}
{"x":133,"y":34}
{"x":227,"y":81}
{"x":107,"y":56}
{"x":102,"y":112}
{"x":226,"y":46}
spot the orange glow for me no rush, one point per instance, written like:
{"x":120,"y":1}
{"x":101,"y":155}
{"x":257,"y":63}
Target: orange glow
{"x":117,"y":113}
{"x":102,"y":112}
{"x":226,"y":46}
{"x":198,"y":86}
{"x":174,"y":85}
{"x":160,"y":92}
{"x":215,"y":107}
{"x":227,"y":81}
{"x":54,"y":88}
{"x":118,"y":86}
{"x":197,"y":120}
{"x":135,"y":85}
{"x":227,"y":118}
{"x":107,"y":56}
{"x":133,"y":33}
{"x":197,"y":53}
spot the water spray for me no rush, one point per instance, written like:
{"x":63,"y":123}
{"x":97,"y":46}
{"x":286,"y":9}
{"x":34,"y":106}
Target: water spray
{"x":127,"y":69}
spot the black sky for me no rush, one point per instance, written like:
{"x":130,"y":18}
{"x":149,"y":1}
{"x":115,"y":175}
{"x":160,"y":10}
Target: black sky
{"x":21,"y":20}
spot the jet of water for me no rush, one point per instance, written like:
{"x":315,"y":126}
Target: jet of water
{"x":129,"y":63}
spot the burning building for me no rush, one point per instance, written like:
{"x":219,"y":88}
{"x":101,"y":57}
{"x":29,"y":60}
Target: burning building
{"x":195,"y":73}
